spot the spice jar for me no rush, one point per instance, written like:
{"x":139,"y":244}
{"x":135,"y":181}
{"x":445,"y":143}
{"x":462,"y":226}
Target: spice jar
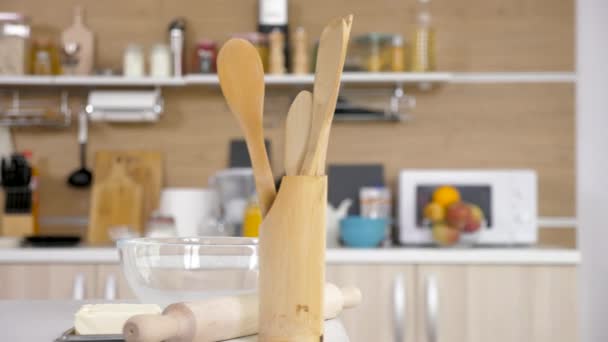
{"x":133,"y":61}
{"x":206,"y":53}
{"x":160,"y":61}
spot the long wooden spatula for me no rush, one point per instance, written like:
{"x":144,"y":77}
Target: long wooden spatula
{"x":297,"y":130}
{"x":241,"y":76}
{"x":330,"y":62}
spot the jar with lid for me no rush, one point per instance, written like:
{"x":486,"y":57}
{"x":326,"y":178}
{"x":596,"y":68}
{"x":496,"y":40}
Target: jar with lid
{"x":133,"y":61}
{"x":14,"y":40}
{"x":206,"y":54}
{"x":45,"y":58}
{"x":160,"y":61}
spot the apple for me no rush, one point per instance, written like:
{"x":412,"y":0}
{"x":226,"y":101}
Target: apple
{"x":474,"y":222}
{"x":457,"y":215}
{"x":445,"y":235}
{"x":434,"y":212}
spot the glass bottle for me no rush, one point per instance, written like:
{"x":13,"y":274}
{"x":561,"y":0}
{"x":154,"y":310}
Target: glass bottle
{"x":423,"y":52}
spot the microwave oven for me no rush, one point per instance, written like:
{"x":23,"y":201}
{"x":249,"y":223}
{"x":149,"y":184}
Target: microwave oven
{"x":507,"y":198}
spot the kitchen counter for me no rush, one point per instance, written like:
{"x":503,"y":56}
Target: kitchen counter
{"x":393,"y":255}
{"x":52,"y":317}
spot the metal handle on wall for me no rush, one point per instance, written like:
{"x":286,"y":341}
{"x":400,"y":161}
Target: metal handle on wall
{"x":432,"y":308}
{"x":109,"y":292}
{"x":78,"y":287}
{"x":399,"y":307}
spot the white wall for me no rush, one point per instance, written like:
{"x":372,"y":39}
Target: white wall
{"x":592,"y":166}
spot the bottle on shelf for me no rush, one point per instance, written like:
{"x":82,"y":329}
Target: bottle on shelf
{"x":177,"y":32}
{"x":273,"y":16}
{"x":423,"y":52}
{"x":397,"y":54}
{"x":300,"y":64}
{"x":276,"y":57}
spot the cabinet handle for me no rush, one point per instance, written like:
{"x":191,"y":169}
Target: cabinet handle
{"x":399,"y":306}
{"x":432,"y":308}
{"x":78,"y":287}
{"x":109,"y":292}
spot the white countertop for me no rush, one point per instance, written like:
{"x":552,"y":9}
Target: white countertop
{"x":393,"y":255}
{"x":53,"y":317}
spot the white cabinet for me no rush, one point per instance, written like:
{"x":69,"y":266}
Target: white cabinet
{"x":387,"y":308}
{"x":47,"y":281}
{"x":496,"y":303}
{"x":460,"y":303}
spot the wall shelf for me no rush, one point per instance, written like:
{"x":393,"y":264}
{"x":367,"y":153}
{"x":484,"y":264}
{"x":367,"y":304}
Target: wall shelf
{"x":295,"y":80}
{"x":513,"y":77}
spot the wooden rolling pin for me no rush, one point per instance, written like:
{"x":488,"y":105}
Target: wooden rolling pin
{"x":221,"y":318}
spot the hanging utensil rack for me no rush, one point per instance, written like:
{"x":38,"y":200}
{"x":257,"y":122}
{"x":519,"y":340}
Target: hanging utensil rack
{"x":17,"y":112}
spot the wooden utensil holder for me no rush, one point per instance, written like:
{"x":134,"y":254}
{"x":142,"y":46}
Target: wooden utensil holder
{"x":292,"y":262}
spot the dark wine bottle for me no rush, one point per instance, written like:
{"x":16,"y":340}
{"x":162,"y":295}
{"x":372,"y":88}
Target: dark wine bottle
{"x":273,"y":15}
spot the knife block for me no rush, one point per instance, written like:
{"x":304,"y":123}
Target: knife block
{"x":292,"y":262}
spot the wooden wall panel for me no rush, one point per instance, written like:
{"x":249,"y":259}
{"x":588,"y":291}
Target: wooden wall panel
{"x":472,"y":35}
{"x":476,"y":126}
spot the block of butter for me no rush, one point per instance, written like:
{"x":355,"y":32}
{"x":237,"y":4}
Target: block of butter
{"x":108,"y":319}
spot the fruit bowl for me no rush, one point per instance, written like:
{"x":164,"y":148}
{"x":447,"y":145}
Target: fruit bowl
{"x":453,"y":220}
{"x":169,"y":270}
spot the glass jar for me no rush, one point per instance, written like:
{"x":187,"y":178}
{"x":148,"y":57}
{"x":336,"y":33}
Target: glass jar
{"x":160,"y":61}
{"x":206,"y":53}
{"x":14,"y":41}
{"x":133,"y":61}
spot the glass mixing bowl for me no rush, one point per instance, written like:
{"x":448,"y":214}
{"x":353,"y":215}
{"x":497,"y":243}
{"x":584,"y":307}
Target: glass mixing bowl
{"x":169,"y":270}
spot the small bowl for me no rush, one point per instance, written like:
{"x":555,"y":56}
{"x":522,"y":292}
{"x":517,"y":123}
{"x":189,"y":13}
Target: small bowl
{"x":168,"y":270}
{"x":363,"y":232}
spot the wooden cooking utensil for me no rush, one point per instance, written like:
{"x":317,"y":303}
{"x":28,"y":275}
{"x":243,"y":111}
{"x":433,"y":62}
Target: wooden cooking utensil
{"x":143,"y":167}
{"x":116,"y":201}
{"x":330,"y":62}
{"x":241,"y":76}
{"x":83,"y":37}
{"x":220,"y":319}
{"x":297,"y":129}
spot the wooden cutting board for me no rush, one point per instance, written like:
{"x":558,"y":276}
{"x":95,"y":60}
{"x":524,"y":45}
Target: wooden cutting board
{"x":80,"y":34}
{"x":144,"y":167}
{"x":116,"y":201}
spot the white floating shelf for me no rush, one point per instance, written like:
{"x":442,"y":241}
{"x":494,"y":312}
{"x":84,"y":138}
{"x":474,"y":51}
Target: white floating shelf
{"x":347,"y":78}
{"x":291,"y":80}
{"x":513,"y":77}
{"x":115,"y":81}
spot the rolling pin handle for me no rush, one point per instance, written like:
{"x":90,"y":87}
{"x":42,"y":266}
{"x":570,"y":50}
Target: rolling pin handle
{"x":150,"y":328}
{"x":352,"y":296}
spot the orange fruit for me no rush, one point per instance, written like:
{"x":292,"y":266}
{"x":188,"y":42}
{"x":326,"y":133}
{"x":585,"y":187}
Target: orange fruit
{"x":446,"y":195}
{"x":434,"y":212}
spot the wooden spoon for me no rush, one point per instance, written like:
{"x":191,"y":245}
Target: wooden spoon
{"x":241,"y":76}
{"x":297,"y":129}
{"x":330,"y":62}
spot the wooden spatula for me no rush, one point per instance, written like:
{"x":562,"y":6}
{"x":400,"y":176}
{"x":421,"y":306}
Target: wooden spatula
{"x":241,"y":77}
{"x":297,"y":129}
{"x":330,"y":62}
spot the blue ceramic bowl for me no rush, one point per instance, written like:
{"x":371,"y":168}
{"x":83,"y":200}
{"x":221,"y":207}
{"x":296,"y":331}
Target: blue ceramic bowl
{"x":363,"y":232}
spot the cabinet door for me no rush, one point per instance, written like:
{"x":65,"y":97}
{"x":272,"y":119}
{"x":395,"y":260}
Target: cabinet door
{"x":112,"y":284}
{"x":46,"y":281}
{"x":386,"y":311}
{"x":496,"y":303}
